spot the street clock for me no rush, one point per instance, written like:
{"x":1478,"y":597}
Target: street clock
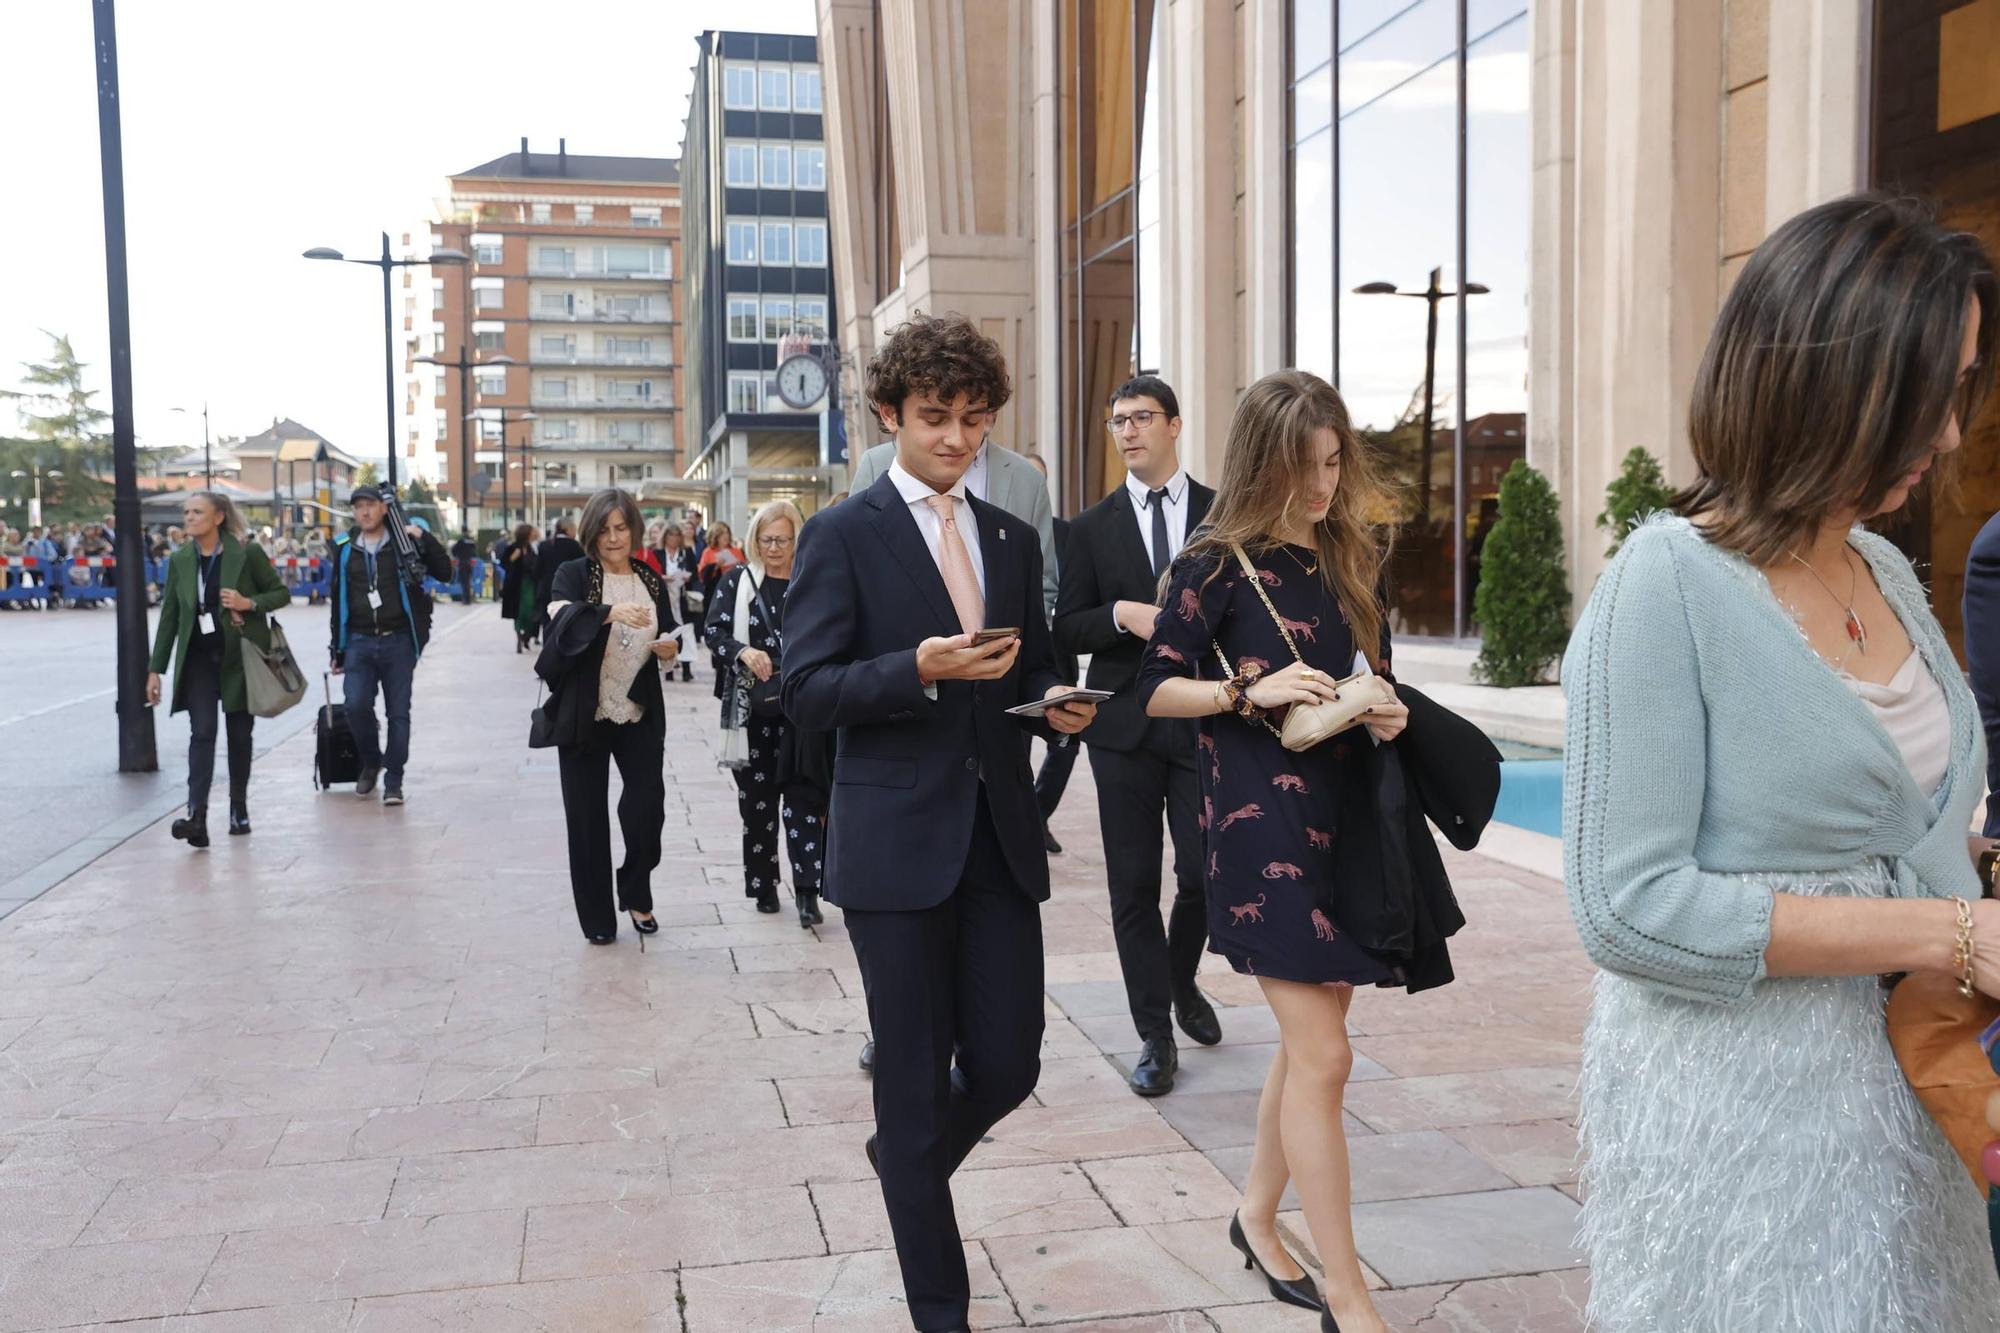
{"x":801,"y":381}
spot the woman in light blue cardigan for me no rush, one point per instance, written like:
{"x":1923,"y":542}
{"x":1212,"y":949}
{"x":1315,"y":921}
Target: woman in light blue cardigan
{"x":1772,"y":766}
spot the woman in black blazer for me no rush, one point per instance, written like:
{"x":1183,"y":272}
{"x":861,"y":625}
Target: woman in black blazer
{"x":676,"y":560}
{"x":611,"y":621}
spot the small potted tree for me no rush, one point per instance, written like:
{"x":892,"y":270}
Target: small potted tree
{"x":1639,"y":490}
{"x":1523,"y":597}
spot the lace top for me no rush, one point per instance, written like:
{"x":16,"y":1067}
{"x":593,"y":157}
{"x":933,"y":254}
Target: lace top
{"x":626,"y":650}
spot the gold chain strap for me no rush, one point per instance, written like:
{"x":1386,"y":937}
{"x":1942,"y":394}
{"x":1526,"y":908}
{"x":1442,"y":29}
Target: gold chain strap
{"x":1231,"y":673}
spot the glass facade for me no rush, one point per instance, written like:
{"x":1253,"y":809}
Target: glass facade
{"x":1409,"y":247}
{"x":1110,"y":208}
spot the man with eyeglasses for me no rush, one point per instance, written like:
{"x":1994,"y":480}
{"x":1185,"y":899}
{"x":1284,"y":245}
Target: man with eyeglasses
{"x":1118,"y":549}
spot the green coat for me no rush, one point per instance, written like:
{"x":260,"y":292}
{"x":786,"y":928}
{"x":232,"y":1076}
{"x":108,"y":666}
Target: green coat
{"x":248,"y":570}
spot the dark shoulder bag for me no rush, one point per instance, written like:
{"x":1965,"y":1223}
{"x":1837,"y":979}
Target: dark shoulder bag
{"x":764,"y":694}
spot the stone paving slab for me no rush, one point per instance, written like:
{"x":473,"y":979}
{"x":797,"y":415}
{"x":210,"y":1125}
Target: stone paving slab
{"x":360,"y":1073}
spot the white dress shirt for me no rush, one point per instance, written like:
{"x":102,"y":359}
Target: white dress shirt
{"x":917,"y":495}
{"x":1176,"y":510}
{"x":975,"y":476}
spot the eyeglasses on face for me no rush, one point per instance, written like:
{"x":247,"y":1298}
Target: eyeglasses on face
{"x":779,"y":542}
{"x":1140,"y":419}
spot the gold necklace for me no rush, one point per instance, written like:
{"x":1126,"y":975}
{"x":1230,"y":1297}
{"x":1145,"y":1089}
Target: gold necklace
{"x":1856,"y":631}
{"x":1313,"y":568}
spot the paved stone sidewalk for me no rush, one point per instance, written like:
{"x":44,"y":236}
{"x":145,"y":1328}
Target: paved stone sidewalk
{"x":361,"y":1072}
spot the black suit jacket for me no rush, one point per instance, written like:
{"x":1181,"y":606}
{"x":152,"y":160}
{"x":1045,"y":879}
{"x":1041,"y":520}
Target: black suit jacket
{"x":553,"y":555}
{"x":572,"y":656}
{"x":1982,"y":650}
{"x":907,"y":771}
{"x":1105,"y":562}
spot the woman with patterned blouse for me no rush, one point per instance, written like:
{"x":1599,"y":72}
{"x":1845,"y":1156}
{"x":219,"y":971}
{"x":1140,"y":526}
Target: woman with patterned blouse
{"x":1236,"y":652}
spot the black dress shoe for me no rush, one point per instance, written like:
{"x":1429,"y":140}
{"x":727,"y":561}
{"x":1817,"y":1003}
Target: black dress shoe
{"x":767,"y":903}
{"x":193,"y":830}
{"x":365,"y":784}
{"x":1049,"y":843}
{"x":809,"y":913}
{"x":603,"y":939}
{"x":1297,"y":1291}
{"x":1153,"y":1076}
{"x":874,"y":1164}
{"x":651,"y":927}
{"x":1197,"y":1017}
{"x":868,"y":1056}
{"x":239,"y":819}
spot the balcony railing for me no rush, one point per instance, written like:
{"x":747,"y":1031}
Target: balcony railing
{"x":598,"y":446}
{"x":538,"y":268}
{"x":602,"y":315}
{"x":653,"y":359}
{"x":657,"y":404}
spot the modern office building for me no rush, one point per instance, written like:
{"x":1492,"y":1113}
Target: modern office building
{"x":573,"y":280}
{"x":762,"y":374}
{"x":1513,"y":218}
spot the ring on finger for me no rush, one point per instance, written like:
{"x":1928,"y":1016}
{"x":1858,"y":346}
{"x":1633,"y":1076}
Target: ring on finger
{"x":1307,"y":673}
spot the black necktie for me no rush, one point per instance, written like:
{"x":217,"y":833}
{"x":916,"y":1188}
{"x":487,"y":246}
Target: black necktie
{"x":1157,"y":500}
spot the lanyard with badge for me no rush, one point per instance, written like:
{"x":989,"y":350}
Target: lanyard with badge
{"x":206,"y":568}
{"x":374,"y":589}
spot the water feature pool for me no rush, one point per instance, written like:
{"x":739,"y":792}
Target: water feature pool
{"x":1531,"y":781}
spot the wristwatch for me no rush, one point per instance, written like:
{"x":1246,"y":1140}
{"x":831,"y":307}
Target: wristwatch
{"x":1988,"y":863}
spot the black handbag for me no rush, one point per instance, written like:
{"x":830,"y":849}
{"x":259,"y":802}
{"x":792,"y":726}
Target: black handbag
{"x":764,"y":694}
{"x":542,"y":722}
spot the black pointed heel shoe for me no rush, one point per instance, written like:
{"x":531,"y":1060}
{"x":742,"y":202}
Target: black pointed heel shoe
{"x":644,"y":927}
{"x":1299,"y":1291}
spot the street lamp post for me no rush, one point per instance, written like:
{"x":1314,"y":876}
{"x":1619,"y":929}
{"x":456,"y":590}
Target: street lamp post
{"x":465,"y":365}
{"x":385,"y":263}
{"x":506,"y":507}
{"x":37,"y":472}
{"x":207,"y":457}
{"x":1430,"y":296}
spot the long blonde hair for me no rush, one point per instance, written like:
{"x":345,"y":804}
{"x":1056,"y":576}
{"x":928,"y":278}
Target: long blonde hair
{"x":1265,"y":468}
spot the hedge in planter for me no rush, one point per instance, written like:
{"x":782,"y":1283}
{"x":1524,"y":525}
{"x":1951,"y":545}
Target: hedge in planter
{"x":1639,"y":491}
{"x":1523,"y":597}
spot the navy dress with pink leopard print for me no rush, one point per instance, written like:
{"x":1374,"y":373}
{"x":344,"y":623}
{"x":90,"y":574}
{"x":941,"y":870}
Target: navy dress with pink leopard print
{"x":1267,"y":814}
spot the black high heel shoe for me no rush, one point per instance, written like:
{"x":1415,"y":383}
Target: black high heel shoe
{"x":1327,"y":1323}
{"x":651,"y":927}
{"x":1294,"y":1291}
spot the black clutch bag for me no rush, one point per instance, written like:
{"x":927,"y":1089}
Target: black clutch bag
{"x":542,"y":722}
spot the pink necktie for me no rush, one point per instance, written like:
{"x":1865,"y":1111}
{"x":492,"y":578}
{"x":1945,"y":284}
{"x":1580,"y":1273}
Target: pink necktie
{"x":955,"y":563}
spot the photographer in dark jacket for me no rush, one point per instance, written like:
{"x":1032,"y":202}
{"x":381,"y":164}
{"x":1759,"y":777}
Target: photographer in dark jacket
{"x":380,"y":626}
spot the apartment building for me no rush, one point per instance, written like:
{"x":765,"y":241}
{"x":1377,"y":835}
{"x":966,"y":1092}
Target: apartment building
{"x":570,"y":312}
{"x":762,"y":368}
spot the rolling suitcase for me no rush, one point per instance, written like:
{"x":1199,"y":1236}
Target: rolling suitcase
{"x":334,"y":757}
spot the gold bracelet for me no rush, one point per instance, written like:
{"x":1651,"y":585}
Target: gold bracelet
{"x":1221,"y":702}
{"x":1961,"y":954}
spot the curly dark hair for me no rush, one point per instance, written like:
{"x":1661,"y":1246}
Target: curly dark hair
{"x":940,"y":354}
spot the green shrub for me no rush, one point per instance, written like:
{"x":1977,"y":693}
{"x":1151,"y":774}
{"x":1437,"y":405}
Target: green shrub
{"x":1523,"y":598}
{"x":1639,"y":490}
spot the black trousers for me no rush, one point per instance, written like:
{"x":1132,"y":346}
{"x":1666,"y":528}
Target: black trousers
{"x":203,"y":699}
{"x":760,"y":802}
{"x":963,"y":977}
{"x":1053,"y":780}
{"x":639,"y":750}
{"x":1134,"y":789}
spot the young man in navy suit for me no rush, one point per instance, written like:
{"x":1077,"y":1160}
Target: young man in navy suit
{"x":935,"y":851}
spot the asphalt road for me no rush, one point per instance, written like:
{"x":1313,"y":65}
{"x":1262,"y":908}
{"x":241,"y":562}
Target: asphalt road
{"x":59,"y":778}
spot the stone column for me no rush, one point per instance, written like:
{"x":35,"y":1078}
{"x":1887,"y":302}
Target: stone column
{"x":1817,"y":103}
{"x":847,"y":80}
{"x":1264,"y":266}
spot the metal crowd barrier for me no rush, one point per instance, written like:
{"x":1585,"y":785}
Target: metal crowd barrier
{"x":75,"y":579}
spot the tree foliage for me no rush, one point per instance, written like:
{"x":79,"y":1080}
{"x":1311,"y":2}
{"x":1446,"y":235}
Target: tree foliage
{"x":1523,"y":597}
{"x":1639,"y":489}
{"x":61,"y":429}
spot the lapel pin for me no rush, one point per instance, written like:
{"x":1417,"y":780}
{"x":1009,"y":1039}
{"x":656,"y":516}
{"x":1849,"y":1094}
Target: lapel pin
{"x":1003,"y":534}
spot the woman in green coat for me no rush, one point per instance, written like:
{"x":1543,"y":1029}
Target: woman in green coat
{"x":219,"y":589}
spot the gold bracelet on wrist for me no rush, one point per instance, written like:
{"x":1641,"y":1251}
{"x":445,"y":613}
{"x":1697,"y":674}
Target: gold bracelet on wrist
{"x":1961,"y":953}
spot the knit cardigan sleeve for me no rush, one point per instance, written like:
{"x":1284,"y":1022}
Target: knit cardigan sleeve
{"x":1633,"y":786}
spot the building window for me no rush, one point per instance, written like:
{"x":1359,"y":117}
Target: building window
{"x":647,"y":260}
{"x":557,"y":344}
{"x":487,"y":250}
{"x":487,"y":341}
{"x":739,"y":87}
{"x":626,"y":431}
{"x":805,"y":88}
{"x":811,"y":318}
{"x":555,"y":259}
{"x":490,"y":383}
{"x":739,"y":164}
{"x":487,"y":298}
{"x":746,"y":391}
{"x":629,"y":307}
{"x":558,"y":428}
{"x":538,"y":212}
{"x":775,"y":165}
{"x":812,"y":245}
{"x":742,"y":241}
{"x":632,"y":349}
{"x":777,"y":318}
{"x":556,"y":303}
{"x":775,"y":85}
{"x":438,"y":389}
{"x":552,"y":388}
{"x":809,"y":166}
{"x":645,"y":217}
{"x":777,"y":239}
{"x":742,"y":319}
{"x":585,"y":214}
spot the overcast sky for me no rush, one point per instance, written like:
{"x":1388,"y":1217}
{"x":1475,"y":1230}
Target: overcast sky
{"x":255,"y":130}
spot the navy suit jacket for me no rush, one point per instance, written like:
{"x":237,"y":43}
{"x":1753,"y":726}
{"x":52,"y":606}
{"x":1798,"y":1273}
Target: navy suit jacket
{"x":1982,"y":651}
{"x":865,"y":592}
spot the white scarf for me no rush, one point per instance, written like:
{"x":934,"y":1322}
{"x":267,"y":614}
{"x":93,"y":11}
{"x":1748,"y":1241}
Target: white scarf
{"x":736,"y":739}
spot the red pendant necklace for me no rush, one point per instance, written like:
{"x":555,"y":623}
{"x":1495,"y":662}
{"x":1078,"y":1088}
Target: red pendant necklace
{"x":1856,"y":631}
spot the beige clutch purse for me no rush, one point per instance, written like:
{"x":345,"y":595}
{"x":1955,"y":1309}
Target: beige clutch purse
{"x":1306,"y":725}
